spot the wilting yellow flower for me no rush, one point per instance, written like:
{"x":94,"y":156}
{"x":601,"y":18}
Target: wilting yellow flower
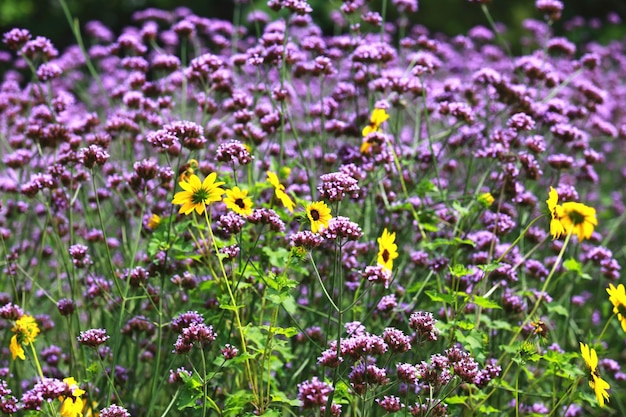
{"x":26,"y":330}
{"x":319,"y":215}
{"x":486,"y":199}
{"x":238,"y":201}
{"x":556,"y":228}
{"x":387,"y":250}
{"x":72,"y":406}
{"x":154,"y":221}
{"x":578,"y":219}
{"x":377,"y":118}
{"x":279,"y":191}
{"x":197,"y":195}
{"x":188,"y":170}
{"x":617,"y":297}
{"x":597,"y":384}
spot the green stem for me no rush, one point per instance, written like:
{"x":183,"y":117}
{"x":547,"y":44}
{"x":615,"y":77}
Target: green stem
{"x":233,"y":301}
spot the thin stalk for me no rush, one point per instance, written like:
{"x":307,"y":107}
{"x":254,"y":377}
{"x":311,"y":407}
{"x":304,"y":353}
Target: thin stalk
{"x":244,"y":346}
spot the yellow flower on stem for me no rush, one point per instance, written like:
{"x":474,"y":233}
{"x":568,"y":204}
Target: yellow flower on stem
{"x":72,"y":405}
{"x":188,"y":170}
{"x":197,"y":195}
{"x":556,"y":228}
{"x":378,"y":117}
{"x":596,"y":383}
{"x":387,"y":250}
{"x":26,"y":330}
{"x":570,"y":217}
{"x":279,"y":191}
{"x":154,"y":221}
{"x":617,"y":297}
{"x":578,"y":219}
{"x":238,"y":201}
{"x":486,"y":199}
{"x":319,"y":215}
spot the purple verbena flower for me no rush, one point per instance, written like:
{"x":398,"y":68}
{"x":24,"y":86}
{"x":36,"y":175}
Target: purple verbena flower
{"x":93,"y":337}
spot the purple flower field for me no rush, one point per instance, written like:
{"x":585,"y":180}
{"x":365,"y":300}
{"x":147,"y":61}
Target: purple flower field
{"x":257,"y":218}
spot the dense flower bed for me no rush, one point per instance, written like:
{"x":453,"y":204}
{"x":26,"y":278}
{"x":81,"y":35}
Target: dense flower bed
{"x":202,"y":217}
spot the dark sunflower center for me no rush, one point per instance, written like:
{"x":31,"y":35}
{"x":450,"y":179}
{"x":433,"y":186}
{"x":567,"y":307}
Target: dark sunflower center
{"x":199,"y":196}
{"x":315,"y":215}
{"x":239,"y":202}
{"x":385,"y":255}
{"x":577,"y":218}
{"x":621,"y":309}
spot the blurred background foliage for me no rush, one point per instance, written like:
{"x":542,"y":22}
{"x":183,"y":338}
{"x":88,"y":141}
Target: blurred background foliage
{"x":45,"y":17}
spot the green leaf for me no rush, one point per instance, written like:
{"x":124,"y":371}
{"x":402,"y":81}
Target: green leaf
{"x":440,"y":298}
{"x":282,"y":398}
{"x":573,"y":265}
{"x":459,"y":270}
{"x":457,"y":399}
{"x":278,"y":257}
{"x":500,"y":325}
{"x":271,"y":413}
{"x":191,"y":392}
{"x":489,"y":267}
{"x":286,"y":331}
{"x":424,"y":187}
{"x":487,"y":409}
{"x":236,"y":402}
{"x":484,"y":302}
{"x":460,"y":209}
{"x":558,"y":309}
{"x":465,"y":325}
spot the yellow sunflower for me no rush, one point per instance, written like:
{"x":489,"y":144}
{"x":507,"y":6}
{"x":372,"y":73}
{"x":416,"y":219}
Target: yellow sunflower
{"x":238,"y":201}
{"x":596,"y":383}
{"x":26,"y":330}
{"x":319,"y":215}
{"x":387,"y":250}
{"x":578,"y":219}
{"x":617,"y":297}
{"x":197,"y":195}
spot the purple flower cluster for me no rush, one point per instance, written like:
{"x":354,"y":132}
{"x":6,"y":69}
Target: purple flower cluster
{"x":93,"y":337}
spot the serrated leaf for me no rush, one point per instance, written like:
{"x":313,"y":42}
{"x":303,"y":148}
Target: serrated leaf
{"x":465,"y":325}
{"x":457,"y":399}
{"x":459,"y":270}
{"x":440,"y":298}
{"x":484,"y":302}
